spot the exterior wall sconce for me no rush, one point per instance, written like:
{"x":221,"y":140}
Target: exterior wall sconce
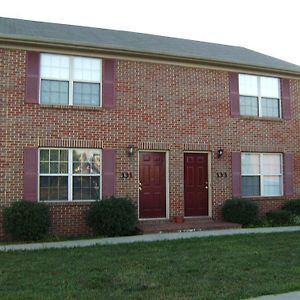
{"x":130,"y":150}
{"x":220,"y":153}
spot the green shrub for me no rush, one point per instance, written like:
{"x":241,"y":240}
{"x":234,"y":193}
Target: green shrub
{"x":295,"y":220}
{"x":293,"y":206}
{"x":279,"y":217}
{"x":240,"y":211}
{"x":112,"y":217}
{"x":26,"y":221}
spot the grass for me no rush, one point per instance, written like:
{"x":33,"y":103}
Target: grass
{"x":229,"y":267}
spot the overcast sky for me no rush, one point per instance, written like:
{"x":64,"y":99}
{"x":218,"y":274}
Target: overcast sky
{"x":268,"y":26}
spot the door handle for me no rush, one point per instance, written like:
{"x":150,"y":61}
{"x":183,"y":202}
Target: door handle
{"x":140,"y":186}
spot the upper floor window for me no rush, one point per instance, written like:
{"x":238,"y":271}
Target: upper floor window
{"x":259,"y":96}
{"x":70,"y":80}
{"x":262,"y":174}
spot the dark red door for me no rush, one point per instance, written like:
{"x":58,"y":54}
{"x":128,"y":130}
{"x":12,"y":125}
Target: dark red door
{"x":196,"y":184}
{"x":152,"y":173}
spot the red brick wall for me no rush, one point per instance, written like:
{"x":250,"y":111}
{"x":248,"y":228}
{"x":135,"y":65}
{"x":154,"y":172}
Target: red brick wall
{"x":176,"y":108}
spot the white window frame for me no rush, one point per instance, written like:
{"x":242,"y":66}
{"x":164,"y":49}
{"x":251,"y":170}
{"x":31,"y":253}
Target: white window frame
{"x":259,"y":96}
{"x":71,"y":80}
{"x":262,"y":175}
{"x":70,"y":174}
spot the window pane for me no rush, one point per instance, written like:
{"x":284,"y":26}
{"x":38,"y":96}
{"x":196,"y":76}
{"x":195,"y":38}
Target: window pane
{"x":53,"y":188}
{"x":271,"y":164}
{"x":86,"y":187}
{"x":272,"y":186}
{"x":86,"y":161}
{"x":54,"y":92}
{"x":54,"y":155}
{"x":270,"y":107}
{"x":54,"y":168}
{"x":44,"y":161}
{"x":63,"y":168}
{"x":44,"y":167}
{"x":248,"y":85}
{"x":86,"y":94}
{"x":55,"y":66}
{"x":250,"y":186}
{"x":87,"y":69}
{"x":249,"y":106}
{"x":250,"y":164}
{"x":64,"y":155}
{"x":44,"y":155}
{"x":269,"y":87}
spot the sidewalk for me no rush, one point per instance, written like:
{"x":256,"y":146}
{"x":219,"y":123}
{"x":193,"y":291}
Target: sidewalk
{"x":287,"y":296}
{"x":146,"y":238}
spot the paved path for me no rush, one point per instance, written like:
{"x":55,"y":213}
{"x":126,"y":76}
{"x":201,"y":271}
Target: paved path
{"x":145,"y":238}
{"x":287,"y":296}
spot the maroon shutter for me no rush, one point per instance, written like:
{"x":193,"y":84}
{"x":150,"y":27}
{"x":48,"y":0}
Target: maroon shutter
{"x":30,"y":181}
{"x":236,"y":174}
{"x":109,"y":172}
{"x":288,"y":173}
{"x":108,"y":72}
{"x":32,"y":77}
{"x":234,"y":94}
{"x":285,"y":99}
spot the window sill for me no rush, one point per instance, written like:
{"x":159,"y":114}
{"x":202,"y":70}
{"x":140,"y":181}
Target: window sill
{"x":262,"y":118}
{"x":71,"y":107}
{"x":74,"y":202}
{"x":266,"y":198}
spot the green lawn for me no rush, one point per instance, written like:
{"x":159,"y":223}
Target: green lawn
{"x":229,"y":267}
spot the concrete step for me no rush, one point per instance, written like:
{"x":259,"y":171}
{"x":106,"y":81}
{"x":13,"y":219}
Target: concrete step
{"x":188,"y":225}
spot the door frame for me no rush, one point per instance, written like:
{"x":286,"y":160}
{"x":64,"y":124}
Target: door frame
{"x":167,"y":185}
{"x":209,"y":173}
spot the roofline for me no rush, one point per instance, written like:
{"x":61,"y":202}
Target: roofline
{"x":25,"y":42}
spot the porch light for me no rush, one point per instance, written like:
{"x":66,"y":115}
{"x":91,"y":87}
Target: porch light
{"x":130,"y":150}
{"x":220,"y":152}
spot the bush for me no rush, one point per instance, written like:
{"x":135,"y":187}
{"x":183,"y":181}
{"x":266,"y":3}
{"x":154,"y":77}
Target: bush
{"x":112,"y":217}
{"x":26,"y":221}
{"x":293,"y":206}
{"x":240,"y":211}
{"x":279,"y":217}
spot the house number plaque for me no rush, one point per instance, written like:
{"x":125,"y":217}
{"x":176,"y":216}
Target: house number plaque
{"x":127,"y":175}
{"x":221,"y":174}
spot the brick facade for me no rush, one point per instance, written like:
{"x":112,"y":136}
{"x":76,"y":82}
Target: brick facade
{"x":158,"y":107}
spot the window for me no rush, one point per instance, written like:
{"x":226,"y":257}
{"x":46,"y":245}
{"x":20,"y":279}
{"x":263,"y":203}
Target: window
{"x":69,"y":174}
{"x":262,"y":174}
{"x":70,"y":80}
{"x":259,"y":96}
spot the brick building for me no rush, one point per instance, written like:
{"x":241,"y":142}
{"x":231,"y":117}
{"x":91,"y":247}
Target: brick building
{"x":178,"y":126}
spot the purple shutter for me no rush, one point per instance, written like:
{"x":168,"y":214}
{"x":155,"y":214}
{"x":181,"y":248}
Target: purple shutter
{"x":234,"y":95}
{"x":288,"y":174}
{"x":108,"y":73}
{"x":30,"y":189}
{"x":109,"y":172}
{"x":236,"y":174}
{"x":32,"y":77}
{"x":285,"y":99}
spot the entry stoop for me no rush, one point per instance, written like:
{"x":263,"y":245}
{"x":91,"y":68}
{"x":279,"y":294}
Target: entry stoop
{"x":193,"y":224}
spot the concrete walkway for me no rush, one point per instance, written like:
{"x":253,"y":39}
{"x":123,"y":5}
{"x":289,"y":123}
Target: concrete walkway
{"x":145,"y":238}
{"x":287,"y":296}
